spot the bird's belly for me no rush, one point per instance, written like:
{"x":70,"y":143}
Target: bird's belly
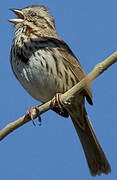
{"x":36,"y":80}
{"x":43,"y":75}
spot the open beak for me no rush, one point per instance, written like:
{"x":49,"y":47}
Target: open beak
{"x":20,"y":16}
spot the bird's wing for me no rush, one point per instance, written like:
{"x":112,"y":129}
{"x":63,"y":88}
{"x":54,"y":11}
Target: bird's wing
{"x":74,"y":65}
{"x":69,"y":60}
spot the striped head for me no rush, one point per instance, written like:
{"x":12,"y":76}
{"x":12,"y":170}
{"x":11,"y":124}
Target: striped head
{"x":35,"y":16}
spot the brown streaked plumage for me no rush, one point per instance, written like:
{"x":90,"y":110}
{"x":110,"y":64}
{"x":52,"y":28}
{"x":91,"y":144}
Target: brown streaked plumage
{"x":45,"y":65}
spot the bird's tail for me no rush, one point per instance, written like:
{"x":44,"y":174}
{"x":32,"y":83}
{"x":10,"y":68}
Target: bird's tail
{"x":96,"y":159}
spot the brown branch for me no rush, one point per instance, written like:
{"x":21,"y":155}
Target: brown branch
{"x":66,"y":97}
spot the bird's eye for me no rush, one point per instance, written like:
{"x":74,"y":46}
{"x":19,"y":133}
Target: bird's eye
{"x":33,"y":14}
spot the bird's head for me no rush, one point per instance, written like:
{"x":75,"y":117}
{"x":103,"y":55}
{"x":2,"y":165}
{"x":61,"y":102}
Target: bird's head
{"x":34,"y":15}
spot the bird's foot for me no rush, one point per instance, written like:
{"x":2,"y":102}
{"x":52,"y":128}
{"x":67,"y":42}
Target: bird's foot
{"x":31,"y":114}
{"x":57,"y":102}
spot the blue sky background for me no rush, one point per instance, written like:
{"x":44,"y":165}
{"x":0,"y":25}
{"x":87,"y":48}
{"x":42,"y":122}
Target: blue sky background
{"x":53,"y":151}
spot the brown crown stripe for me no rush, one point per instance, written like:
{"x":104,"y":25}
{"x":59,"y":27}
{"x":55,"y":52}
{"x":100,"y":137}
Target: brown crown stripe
{"x":38,"y":25}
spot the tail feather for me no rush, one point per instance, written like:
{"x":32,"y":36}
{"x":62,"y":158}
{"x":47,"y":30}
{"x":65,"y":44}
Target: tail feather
{"x":96,"y":159}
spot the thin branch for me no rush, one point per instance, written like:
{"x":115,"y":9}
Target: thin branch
{"x":66,"y":97}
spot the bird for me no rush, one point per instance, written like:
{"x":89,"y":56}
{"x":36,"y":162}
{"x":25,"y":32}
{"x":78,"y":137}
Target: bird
{"x":45,"y":66}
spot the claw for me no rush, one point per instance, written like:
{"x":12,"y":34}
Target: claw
{"x":39,"y":120}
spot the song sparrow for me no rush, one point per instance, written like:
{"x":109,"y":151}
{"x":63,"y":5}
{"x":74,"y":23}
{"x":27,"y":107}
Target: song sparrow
{"x":44,"y":65}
